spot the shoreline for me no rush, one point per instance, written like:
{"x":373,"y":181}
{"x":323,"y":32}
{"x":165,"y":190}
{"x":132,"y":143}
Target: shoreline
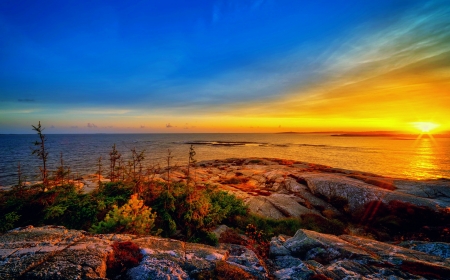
{"x":90,"y":181}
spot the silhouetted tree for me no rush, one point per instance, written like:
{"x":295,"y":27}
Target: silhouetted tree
{"x":114,"y":156}
{"x":41,"y":153}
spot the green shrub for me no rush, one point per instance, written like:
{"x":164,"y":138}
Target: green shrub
{"x":320,"y":224}
{"x":8,"y":220}
{"x":271,"y":227}
{"x":197,"y":210}
{"x":133,"y":217}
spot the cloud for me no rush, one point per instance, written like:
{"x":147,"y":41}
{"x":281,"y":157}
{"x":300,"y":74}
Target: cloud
{"x":142,"y":126}
{"x":74,"y":126}
{"x":26,"y":100}
{"x":168,"y":125}
{"x":52,"y":126}
{"x":91,"y":125}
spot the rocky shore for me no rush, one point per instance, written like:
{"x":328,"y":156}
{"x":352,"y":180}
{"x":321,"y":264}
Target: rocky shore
{"x":53,"y":252}
{"x":272,"y":188}
{"x":278,"y":188}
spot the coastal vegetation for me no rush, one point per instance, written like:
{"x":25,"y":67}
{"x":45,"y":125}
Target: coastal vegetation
{"x":132,"y":200}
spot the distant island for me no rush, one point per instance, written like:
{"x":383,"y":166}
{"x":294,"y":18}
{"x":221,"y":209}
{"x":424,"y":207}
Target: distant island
{"x":395,"y":134}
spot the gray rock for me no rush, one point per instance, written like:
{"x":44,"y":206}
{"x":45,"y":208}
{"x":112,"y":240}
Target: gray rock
{"x":263,"y":207}
{"x":356,"y":192}
{"x":246,"y":259}
{"x":277,"y":246}
{"x":157,"y":269}
{"x":439,"y":249}
{"x":300,"y":271}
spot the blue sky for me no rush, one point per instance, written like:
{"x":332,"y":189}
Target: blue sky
{"x":193,"y":66}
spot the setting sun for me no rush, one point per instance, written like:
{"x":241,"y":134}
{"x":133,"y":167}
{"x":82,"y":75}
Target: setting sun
{"x":425,"y":127}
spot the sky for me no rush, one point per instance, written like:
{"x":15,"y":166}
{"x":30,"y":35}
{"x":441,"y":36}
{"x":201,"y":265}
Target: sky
{"x":223,"y":66}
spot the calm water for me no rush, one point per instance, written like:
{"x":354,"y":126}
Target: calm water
{"x":409,"y":158}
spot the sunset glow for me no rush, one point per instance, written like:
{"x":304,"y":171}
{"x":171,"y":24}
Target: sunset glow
{"x":237,"y":66}
{"x":425,"y":127}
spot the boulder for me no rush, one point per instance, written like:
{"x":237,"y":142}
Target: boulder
{"x":58,"y":253}
{"x":439,"y":249}
{"x":308,"y":253}
{"x":356,"y":192}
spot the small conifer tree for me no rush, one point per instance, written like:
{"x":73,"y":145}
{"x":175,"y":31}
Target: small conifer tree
{"x":42,"y":153}
{"x":114,"y":156}
{"x":133,"y":217}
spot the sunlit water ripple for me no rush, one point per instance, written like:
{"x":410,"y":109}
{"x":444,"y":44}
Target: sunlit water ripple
{"x":408,"y":158}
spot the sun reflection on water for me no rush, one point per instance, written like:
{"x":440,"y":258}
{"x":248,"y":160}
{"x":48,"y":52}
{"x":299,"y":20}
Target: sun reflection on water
{"x":422,"y":163}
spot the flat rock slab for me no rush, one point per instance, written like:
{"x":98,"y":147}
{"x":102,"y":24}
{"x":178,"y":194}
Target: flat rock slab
{"x":308,"y":253}
{"x":58,"y":253}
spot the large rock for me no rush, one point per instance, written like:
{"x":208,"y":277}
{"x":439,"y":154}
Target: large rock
{"x":277,"y":206}
{"x":58,"y":253}
{"x":356,"y":192}
{"x":308,"y":253}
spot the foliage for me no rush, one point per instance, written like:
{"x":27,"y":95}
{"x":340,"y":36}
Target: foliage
{"x":133,"y":217}
{"x":8,"y":220}
{"x":72,"y":209}
{"x":232,"y":237}
{"x":271,"y":227}
{"x":196,"y":210}
{"x":258,"y":241}
{"x":114,"y":157}
{"x":41,"y":153}
{"x":320,"y":224}
{"x":113,"y":193}
{"x":124,"y":256}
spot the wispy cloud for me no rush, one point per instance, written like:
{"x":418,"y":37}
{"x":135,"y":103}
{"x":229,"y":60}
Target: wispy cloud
{"x":91,"y":125}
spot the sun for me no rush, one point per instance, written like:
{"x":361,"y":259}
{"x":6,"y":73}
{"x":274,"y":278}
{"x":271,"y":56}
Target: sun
{"x":425,"y":127}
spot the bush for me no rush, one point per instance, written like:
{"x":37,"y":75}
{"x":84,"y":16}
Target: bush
{"x":320,"y":224}
{"x":133,"y":217}
{"x":197,"y":210}
{"x":271,"y":227}
{"x":124,"y":256}
{"x":8,"y":220}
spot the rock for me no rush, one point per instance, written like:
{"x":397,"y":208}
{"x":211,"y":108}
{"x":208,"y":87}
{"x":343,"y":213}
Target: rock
{"x":219,"y":230}
{"x":355,"y":192}
{"x":311,"y":253}
{"x":157,"y":269}
{"x":300,"y":271}
{"x":439,"y":249}
{"x":277,"y":246}
{"x":263,"y":207}
{"x":438,"y":189}
{"x":58,"y":253}
{"x":245,"y":259}
{"x":288,"y":205}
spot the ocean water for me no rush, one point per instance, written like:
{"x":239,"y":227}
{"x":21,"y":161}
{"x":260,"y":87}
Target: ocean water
{"x":397,"y":157}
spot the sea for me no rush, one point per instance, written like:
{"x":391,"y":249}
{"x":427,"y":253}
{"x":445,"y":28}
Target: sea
{"x":401,"y":157}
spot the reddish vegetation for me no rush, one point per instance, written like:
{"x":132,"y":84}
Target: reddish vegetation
{"x":257,"y":241}
{"x":230,"y":236}
{"x":125,"y":255}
